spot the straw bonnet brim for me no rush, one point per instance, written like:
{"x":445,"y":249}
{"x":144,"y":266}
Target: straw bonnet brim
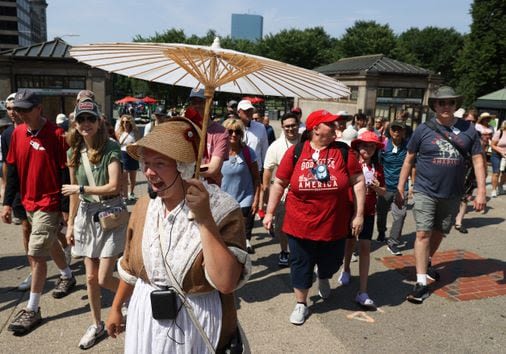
{"x":177,"y":138}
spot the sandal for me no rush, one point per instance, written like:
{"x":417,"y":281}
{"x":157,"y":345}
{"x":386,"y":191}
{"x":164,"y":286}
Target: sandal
{"x":461,"y":228}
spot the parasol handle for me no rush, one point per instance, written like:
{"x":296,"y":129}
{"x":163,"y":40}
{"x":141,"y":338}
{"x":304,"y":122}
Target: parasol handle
{"x":209,"y":94}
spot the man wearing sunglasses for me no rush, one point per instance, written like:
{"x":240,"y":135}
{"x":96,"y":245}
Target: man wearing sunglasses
{"x":36,"y":158}
{"x":442,"y":147}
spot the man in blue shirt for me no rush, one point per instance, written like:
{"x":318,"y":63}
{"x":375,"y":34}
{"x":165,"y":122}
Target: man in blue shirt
{"x":392,"y":158}
{"x":439,"y":183}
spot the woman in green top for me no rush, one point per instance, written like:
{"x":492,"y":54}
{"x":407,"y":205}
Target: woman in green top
{"x":89,"y":141}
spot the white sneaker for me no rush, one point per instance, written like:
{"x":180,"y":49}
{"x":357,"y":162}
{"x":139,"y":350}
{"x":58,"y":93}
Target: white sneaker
{"x":494,"y":194}
{"x":299,"y":314}
{"x":26,"y":284}
{"x":324,"y":288}
{"x":68,"y":254}
{"x":92,"y":334}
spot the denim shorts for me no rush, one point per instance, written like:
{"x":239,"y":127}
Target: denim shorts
{"x":495,"y":159}
{"x":305,"y":254}
{"x":434,"y":213}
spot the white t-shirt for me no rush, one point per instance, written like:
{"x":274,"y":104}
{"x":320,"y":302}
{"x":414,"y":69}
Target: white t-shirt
{"x":275,"y":153}
{"x":256,"y":138}
{"x":126,"y":139}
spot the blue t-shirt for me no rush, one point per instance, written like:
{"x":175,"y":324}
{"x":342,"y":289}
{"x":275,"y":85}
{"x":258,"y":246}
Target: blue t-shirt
{"x":392,"y":158}
{"x":237,"y":180}
{"x":440,"y":169}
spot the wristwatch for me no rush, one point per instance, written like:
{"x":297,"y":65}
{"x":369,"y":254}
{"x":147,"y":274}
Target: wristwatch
{"x":81,"y":189}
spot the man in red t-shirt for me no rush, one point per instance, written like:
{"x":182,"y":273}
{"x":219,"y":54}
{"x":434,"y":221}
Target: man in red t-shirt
{"x":36,"y":158}
{"x":217,"y":144}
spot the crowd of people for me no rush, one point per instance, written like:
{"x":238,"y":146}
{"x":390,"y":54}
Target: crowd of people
{"x":321,"y":188}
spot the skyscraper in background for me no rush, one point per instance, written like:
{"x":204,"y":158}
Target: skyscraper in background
{"x":246,"y":26}
{"x":23,"y":23}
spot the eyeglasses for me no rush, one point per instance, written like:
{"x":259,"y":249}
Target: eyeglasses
{"x":23,"y":110}
{"x":443,"y":103}
{"x":290,"y":126}
{"x":82,"y":118}
{"x":236,"y":131}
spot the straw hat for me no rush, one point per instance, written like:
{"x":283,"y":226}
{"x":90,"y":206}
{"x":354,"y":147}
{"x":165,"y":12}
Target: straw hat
{"x":178,"y":138}
{"x":485,"y":115}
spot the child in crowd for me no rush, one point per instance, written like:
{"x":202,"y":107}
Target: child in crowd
{"x":367,"y":145}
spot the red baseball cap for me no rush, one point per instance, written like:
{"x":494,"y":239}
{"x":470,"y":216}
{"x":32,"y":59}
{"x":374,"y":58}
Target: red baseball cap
{"x":320,"y":116}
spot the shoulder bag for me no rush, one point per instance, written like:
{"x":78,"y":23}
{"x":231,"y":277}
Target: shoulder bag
{"x":110,"y":218}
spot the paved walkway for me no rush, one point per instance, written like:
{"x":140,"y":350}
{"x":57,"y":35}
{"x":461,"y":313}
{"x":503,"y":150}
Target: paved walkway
{"x":466,"y":313}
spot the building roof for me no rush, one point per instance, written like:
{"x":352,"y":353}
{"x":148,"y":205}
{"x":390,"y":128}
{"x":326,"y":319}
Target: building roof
{"x":377,"y":63}
{"x":499,"y":95}
{"x":496,"y":99}
{"x":57,"y":48}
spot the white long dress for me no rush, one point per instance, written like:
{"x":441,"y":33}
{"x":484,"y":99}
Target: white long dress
{"x":182,"y":239}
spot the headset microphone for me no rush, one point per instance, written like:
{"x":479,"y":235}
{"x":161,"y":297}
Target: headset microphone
{"x":153,"y":194}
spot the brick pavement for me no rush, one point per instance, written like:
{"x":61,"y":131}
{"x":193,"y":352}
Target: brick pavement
{"x":464,"y":275}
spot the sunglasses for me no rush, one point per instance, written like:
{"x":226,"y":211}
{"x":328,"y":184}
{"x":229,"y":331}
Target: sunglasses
{"x":23,"y":110}
{"x":290,"y":126}
{"x":443,"y":103}
{"x":83,"y":118}
{"x":236,"y":131}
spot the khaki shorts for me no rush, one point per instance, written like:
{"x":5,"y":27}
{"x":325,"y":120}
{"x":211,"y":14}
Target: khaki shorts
{"x":44,"y":232}
{"x":434,"y":213}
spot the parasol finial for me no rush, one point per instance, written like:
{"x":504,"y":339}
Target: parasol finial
{"x":216,"y":43}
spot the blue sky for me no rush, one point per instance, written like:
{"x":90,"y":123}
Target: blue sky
{"x":120,"y":20}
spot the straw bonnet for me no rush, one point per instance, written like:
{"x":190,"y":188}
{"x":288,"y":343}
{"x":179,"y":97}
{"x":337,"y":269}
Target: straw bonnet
{"x":444,"y":93}
{"x":178,"y":138}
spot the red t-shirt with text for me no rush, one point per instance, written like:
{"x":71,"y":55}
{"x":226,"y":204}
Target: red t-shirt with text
{"x":370,"y":194}
{"x":39,"y":159}
{"x":318,"y":211}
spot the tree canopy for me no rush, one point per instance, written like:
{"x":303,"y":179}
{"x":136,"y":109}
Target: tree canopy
{"x":481,"y":68}
{"x":474,"y":63}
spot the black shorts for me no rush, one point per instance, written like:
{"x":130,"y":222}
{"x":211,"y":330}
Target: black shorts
{"x":17,"y":208}
{"x":367,"y":229}
{"x":129,"y":163}
{"x":305,"y":254}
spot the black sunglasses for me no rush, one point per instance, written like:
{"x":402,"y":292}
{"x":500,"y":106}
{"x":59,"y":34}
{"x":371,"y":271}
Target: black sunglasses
{"x":82,"y":118}
{"x":442,"y":103}
{"x":23,"y":110}
{"x":236,"y":131}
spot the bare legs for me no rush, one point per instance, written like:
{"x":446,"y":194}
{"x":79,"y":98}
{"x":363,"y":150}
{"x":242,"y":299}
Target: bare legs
{"x":99,"y":274}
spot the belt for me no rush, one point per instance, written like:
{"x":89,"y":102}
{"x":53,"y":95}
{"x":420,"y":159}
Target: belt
{"x":109,"y":197}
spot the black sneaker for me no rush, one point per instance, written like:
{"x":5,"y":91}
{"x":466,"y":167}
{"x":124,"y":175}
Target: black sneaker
{"x":392,"y":247}
{"x":63,"y":287}
{"x":381,"y":237}
{"x":433,"y":274}
{"x":420,"y":292}
{"x":25,"y":321}
{"x":283,"y":259}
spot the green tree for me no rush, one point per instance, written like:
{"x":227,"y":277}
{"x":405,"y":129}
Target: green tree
{"x":482,"y":66}
{"x":367,"y":37}
{"x":431,"y":48}
{"x":306,"y":48}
